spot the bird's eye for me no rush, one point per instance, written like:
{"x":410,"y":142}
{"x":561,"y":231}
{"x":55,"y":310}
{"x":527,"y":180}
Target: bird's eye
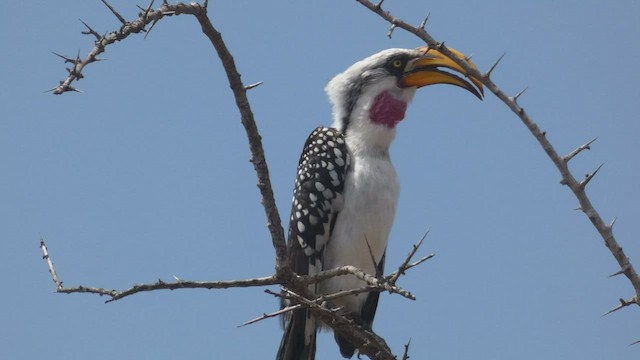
{"x":397,"y":63}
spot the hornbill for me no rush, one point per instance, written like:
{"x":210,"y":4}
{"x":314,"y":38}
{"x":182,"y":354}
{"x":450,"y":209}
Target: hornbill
{"x":346,"y":189}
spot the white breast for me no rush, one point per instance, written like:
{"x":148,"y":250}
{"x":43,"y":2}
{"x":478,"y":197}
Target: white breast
{"x":370,"y":198}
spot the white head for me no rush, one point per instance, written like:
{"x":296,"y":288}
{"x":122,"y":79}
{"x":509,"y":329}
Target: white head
{"x":370,"y":98}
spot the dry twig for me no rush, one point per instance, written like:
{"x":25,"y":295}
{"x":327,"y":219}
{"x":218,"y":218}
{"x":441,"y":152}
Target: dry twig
{"x":366,"y":341}
{"x":577,"y":187}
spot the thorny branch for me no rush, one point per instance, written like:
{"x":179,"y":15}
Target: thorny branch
{"x":561,"y":162}
{"x":406,"y":265}
{"x":367,"y":342}
{"x":138,"y":25}
{"x":128,"y":27}
{"x":255,"y":141}
{"x":373,"y":284}
{"x":371,"y":346}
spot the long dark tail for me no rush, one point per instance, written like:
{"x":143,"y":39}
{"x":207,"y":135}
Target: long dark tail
{"x":365,"y":319}
{"x":299,"y":338}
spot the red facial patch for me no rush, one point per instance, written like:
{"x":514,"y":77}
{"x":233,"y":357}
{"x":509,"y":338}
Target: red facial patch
{"x":387,"y":110}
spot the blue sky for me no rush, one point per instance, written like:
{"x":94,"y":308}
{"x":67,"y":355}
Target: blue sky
{"x":145,"y":175}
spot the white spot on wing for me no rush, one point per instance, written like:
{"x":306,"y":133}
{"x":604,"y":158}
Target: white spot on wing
{"x":302,"y":243}
{"x":328,"y":194}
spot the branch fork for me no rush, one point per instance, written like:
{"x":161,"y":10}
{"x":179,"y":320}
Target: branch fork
{"x":561,"y":162}
{"x":367,"y":342}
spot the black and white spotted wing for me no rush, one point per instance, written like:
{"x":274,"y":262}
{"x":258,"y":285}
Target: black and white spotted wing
{"x":317,"y":198}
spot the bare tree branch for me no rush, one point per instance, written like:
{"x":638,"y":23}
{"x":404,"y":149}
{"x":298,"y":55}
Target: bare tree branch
{"x":295,"y":287}
{"x":320,"y":300}
{"x":577,"y":187}
{"x":373,"y":283}
{"x":255,"y":142}
{"x":238,"y":88}
{"x":52,"y":269}
{"x":115,"y":12}
{"x":129,"y":27}
{"x":377,"y":284}
{"x":406,"y":356}
{"x":577,"y":151}
{"x":367,"y":342}
{"x":623,"y":303}
{"x":273,"y":314}
{"x":405,"y":265}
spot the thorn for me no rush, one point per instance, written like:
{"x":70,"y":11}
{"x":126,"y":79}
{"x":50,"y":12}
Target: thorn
{"x":424,"y":236}
{"x":71,"y":88}
{"x":90,"y":31}
{"x":153,"y":24}
{"x":393,"y":277}
{"x":623,"y":303}
{"x":515,"y":98}
{"x":66,"y":58}
{"x":613,"y":222}
{"x":254,"y":85}
{"x":391,"y":29}
{"x":205,"y":4}
{"x":577,"y":151}
{"x":424,"y":22}
{"x":379,"y":4}
{"x":578,"y":208}
{"x":619,"y":272}
{"x":468,"y":58}
{"x":488,"y":73}
{"x":635,"y":342}
{"x":588,"y":177}
{"x":405,"y":356}
{"x":122,"y":20}
{"x":94,"y":59}
{"x":373,"y":259}
{"x":264,"y":316}
{"x":146,"y":12}
{"x":423,"y":259}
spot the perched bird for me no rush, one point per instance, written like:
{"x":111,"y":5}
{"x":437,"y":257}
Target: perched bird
{"x":346,"y":188}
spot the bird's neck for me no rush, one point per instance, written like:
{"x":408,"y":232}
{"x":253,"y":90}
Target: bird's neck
{"x":371,"y":124}
{"x":372,"y":140}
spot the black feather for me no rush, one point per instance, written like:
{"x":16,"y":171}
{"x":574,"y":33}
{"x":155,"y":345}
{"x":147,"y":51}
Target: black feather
{"x":319,"y":184}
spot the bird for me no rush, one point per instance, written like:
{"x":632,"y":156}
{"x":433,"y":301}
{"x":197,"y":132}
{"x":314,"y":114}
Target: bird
{"x":346,"y":189}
